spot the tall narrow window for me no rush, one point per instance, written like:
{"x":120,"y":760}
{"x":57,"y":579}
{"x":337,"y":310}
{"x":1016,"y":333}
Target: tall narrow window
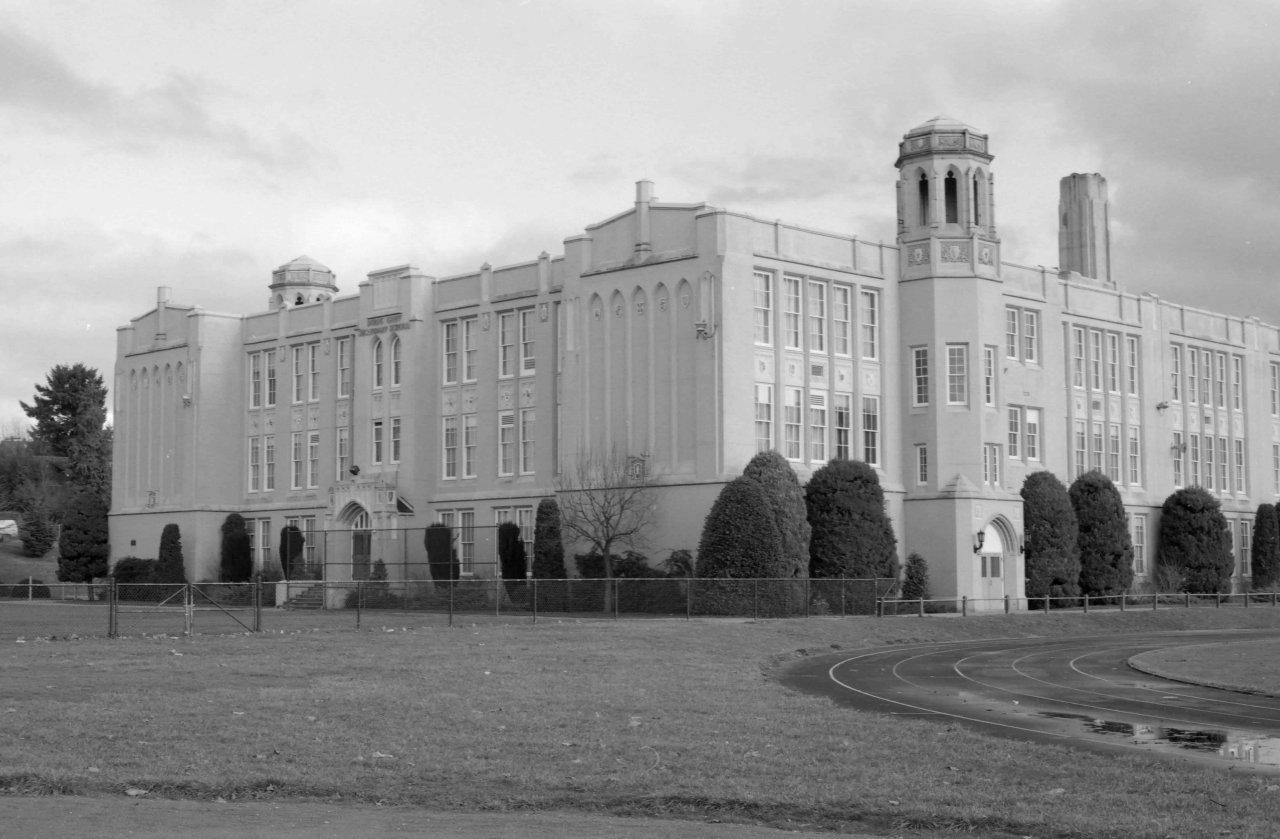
{"x":450,"y":448}
{"x":1240,"y":476}
{"x":506,"y":344}
{"x":1206,"y":373}
{"x":451,"y":352}
{"x":920,"y":372}
{"x":1224,"y":466}
{"x":792,"y":417}
{"x":871,"y":430}
{"x":344,"y":367}
{"x":922,"y":465}
{"x":1175,"y":373}
{"x":989,"y":376}
{"x":395,"y":361}
{"x":818,"y":427}
{"x":1015,"y":432}
{"x":1131,"y":365}
{"x":957,"y":374}
{"x":1095,"y":456}
{"x":951,"y":198}
{"x":1193,"y":458}
{"x":255,"y":463}
{"x":1178,"y":448}
{"x":470,"y":433}
{"x":527,"y":427}
{"x":763,"y":307}
{"x":1206,"y":455}
{"x":922,"y":200}
{"x":467,"y":542}
{"x":469,"y":350}
{"x":1011,"y":322}
{"x":376,"y":437}
{"x":299,"y":374}
{"x":1031,"y":337}
{"x":817,"y":317}
{"x":764,"y":417}
{"x":1080,"y":447}
{"x":1077,"y":356}
{"x":1138,"y":536}
{"x":377,"y":363}
{"x":1220,"y":380}
{"x":1275,"y":469}
{"x":870,"y":315}
{"x":1113,"y":452}
{"x":791,"y":313}
{"x":313,"y":460}
{"x":843,"y":425}
{"x":1095,"y":359}
{"x":1246,"y":546}
{"x":991,"y":464}
{"x":1237,"y":383}
{"x":255,"y":380}
{"x":269,"y":464}
{"x":1135,"y":456}
{"x":1032,"y":438}
{"x":1275,"y":389}
{"x":1193,"y":375}
{"x":506,"y":443}
{"x":528,"y":361}
{"x":296,"y":471}
{"x":1113,"y":362}
{"x":395,"y":439}
{"x":270,"y":363}
{"x":841,"y":318}
{"x":342,"y":452}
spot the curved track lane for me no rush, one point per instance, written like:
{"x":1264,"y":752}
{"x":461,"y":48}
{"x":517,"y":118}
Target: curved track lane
{"x":1075,"y":691}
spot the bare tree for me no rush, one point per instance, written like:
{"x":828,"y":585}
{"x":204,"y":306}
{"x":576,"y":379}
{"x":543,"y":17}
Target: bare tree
{"x":606,"y":499}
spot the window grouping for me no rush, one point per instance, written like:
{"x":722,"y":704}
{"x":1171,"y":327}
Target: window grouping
{"x":463,"y":524}
{"x":1215,"y":462}
{"x":1138,"y":536}
{"x":386,"y":358}
{"x":1213,"y":379}
{"x":1022,"y":334}
{"x":1209,"y":385}
{"x":263,"y":384}
{"x":262,"y":463}
{"x":304,"y":460}
{"x":1023,"y":434}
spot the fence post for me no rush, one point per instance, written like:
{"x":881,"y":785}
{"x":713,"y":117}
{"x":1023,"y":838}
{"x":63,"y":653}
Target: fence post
{"x":1246,"y":600}
{"x":1123,"y":599}
{"x":113,"y":617}
{"x":1046,"y":604}
{"x":920,"y":607}
{"x":964,"y":606}
{"x":807,"y":594}
{"x":452,"y":585}
{"x":1217,"y":600}
{"x":189,"y":609}
{"x":257,"y":605}
{"x":755,"y":599}
{"x":1186,"y":599}
{"x":1006,"y":604}
{"x":533,"y":593}
{"x":359,"y":600}
{"x":1086,"y":604}
{"x":614,"y":582}
{"x":1155,"y":601}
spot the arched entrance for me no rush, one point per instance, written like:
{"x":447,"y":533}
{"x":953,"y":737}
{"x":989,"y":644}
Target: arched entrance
{"x":997,"y":562}
{"x":356,"y":521}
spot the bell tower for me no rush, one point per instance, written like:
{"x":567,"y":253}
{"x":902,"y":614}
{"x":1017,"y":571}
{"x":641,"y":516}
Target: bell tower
{"x":299,"y":283}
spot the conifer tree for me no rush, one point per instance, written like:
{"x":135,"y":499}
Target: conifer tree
{"x":915,"y":579}
{"x":237,"y":562}
{"x":739,"y":536}
{"x":1265,"y":559}
{"x":83,"y":544}
{"x":170,"y":567}
{"x":850,"y":532}
{"x":1049,"y":522}
{"x":1106,"y":550}
{"x":548,"y":543}
{"x":785,"y":501}
{"x":1195,"y":540}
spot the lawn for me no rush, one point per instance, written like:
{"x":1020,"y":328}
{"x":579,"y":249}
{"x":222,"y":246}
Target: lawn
{"x":674,"y":718}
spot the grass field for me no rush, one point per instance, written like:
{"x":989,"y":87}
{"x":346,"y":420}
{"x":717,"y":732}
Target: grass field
{"x":673,"y":718}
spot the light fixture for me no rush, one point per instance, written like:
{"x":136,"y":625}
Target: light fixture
{"x":979,"y":539}
{"x":1162,"y":406}
{"x":354,"y":470}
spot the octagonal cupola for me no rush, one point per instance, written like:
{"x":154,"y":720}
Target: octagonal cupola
{"x":299,"y":282}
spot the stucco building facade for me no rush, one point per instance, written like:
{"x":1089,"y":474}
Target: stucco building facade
{"x":687,"y":338}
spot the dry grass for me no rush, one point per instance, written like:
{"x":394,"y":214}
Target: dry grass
{"x":658,"y":717}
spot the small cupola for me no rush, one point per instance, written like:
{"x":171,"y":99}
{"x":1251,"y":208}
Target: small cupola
{"x":300,"y":282}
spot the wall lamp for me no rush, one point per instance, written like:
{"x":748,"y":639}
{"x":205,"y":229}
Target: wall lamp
{"x":1162,"y":406}
{"x":979,"y":539}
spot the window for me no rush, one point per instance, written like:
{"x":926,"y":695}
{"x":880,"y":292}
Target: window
{"x":764,"y":417}
{"x":763,"y":306}
{"x":1206,"y":372}
{"x":1077,"y":357}
{"x":1031,"y":337}
{"x":313,"y":372}
{"x":1193,"y":375}
{"x":299,"y":373}
{"x":920,"y":368}
{"x":989,"y":376}
{"x":344,"y":367}
{"x":269,"y":464}
{"x":1135,"y":456}
{"x":957,"y":374}
{"x":506,"y":344}
{"x":1175,"y":373}
{"x":506,"y":443}
{"x":843,"y":425}
{"x":467,"y":542}
{"x":469,"y":349}
{"x":270,"y":363}
{"x":817,"y":317}
{"x":991,"y":464}
{"x":378,"y":441}
{"x":342,"y":452}
{"x":1275,"y":469}
{"x":1131,"y":364}
{"x":1080,"y":447}
{"x":395,"y":439}
{"x":296,"y":475}
{"x":1178,"y":448}
{"x":1206,"y":463}
{"x":1239,"y":453}
{"x":1015,"y":432}
{"x":395,"y":361}
{"x":377,"y":363}
{"x":1224,"y":483}
{"x":527,"y":361}
{"x":1032,"y":439}
{"x":841,"y":318}
{"x":1275,"y":389}
{"x":1246,"y":545}
{"x":255,"y":463}
{"x":1193,"y":459}
{"x":255,"y":380}
{"x":524,"y":518}
{"x":1095,"y":460}
{"x":450,"y":444}
{"x":1237,"y":383}
{"x":791,"y":313}
{"x":792,"y":416}
{"x":526,"y":441}
{"x":950,"y":199}
{"x":470,"y":433}
{"x":1113,"y":452}
{"x":922,"y":465}
{"x":1113,"y":362}
{"x":1095,"y":359}
{"x":1220,"y":380}
{"x":1011,"y":322}
{"x":451,"y":352}
{"x":870,"y":313}
{"x":313,"y":460}
{"x":818,"y":427}
{"x":871,"y":430}
{"x":1138,"y":535}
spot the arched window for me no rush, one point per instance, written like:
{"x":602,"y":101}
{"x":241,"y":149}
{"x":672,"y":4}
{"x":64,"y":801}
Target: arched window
{"x":395,"y":361}
{"x":377,"y":362}
{"x":976,"y":188}
{"x":923,"y":189}
{"x":951,"y":198}
{"x":299,"y":300}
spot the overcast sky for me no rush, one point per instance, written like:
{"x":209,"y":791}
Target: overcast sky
{"x":198,"y":144}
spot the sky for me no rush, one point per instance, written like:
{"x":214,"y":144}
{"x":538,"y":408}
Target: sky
{"x":199,"y":144}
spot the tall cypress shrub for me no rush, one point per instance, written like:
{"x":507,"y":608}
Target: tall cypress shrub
{"x":548,"y":543}
{"x":1265,"y":559}
{"x":1195,"y":540}
{"x":1106,"y":550}
{"x":237,"y":561}
{"x":850,"y":532}
{"x":292,"y":543}
{"x":511,"y":551}
{"x":1051,"y":532}
{"x":785,"y":501}
{"x":442,"y":556}
{"x":170,"y":567}
{"x":740,"y":538}
{"x":915,"y":579}
{"x":37,"y":532}
{"x":83,"y":544}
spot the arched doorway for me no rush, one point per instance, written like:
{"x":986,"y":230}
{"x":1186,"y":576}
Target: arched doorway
{"x":998,"y":571}
{"x":361,"y":546}
{"x":354,"y":539}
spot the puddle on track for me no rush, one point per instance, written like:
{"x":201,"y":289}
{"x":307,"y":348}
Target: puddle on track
{"x":1230,"y":745}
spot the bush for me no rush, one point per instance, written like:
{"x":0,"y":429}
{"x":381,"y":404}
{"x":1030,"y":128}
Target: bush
{"x":1265,"y":560}
{"x":375,"y":593}
{"x":170,"y":567}
{"x":442,"y":556}
{"x":785,"y":502}
{"x":548,"y":544}
{"x":740,"y":537}
{"x":1051,"y":532}
{"x":915,"y":582}
{"x":237,"y":561}
{"x":131,"y":569}
{"x":1195,"y":540}
{"x":292,"y":544}
{"x":850,"y":533}
{"x":1106,"y":550}
{"x":37,"y":533}
{"x":511,"y":557}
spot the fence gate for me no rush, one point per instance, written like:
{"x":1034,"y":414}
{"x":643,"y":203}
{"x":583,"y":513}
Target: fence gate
{"x":183,"y":609}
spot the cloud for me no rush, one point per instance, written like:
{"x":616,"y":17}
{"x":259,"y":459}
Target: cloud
{"x":40,"y":86}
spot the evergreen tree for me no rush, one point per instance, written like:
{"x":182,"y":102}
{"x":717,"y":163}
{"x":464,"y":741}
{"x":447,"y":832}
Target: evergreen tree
{"x":511,"y":554}
{"x":548,"y":544}
{"x":740,"y":537}
{"x":850,"y":533}
{"x":237,"y":561}
{"x":1049,"y":521}
{"x":71,"y":406}
{"x":83,"y":545}
{"x":170,"y":567}
{"x":915,"y":581}
{"x":1106,"y":550}
{"x":37,"y":533}
{"x":785,"y":500}
{"x":1265,"y":560}
{"x":442,"y":556}
{"x":292,"y":544}
{"x":1195,"y":540}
